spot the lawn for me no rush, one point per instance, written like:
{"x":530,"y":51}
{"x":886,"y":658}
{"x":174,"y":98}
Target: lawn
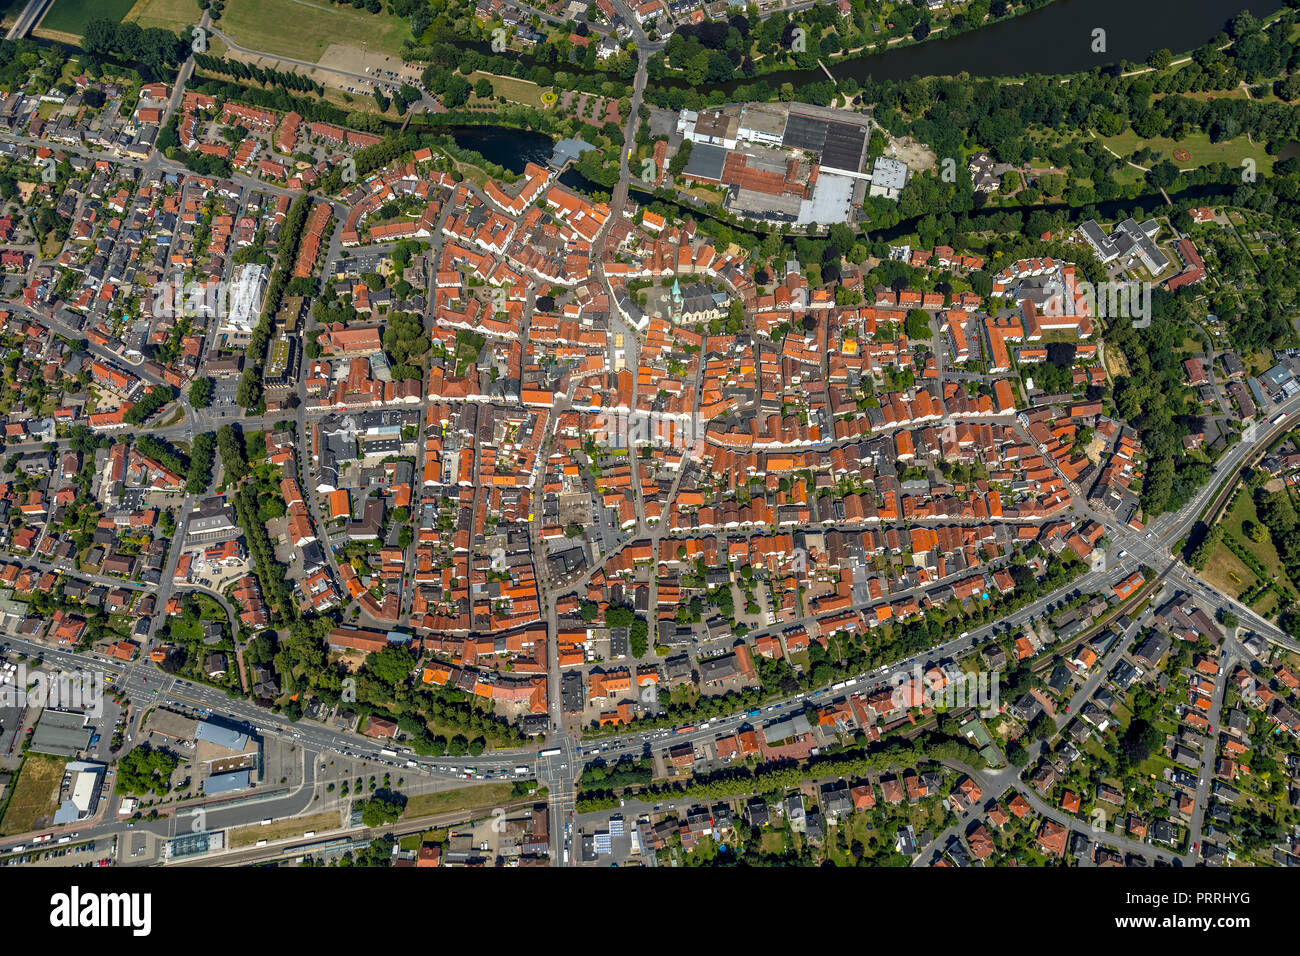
{"x":285,"y":829}
{"x":461,"y":798}
{"x":413,"y":841}
{"x":1200,"y":148}
{"x":513,"y":89}
{"x":1243,"y":510}
{"x":285,"y":28}
{"x":34,"y":795}
{"x":1226,"y":572}
{"x":165,"y":14}
{"x":71,"y":16}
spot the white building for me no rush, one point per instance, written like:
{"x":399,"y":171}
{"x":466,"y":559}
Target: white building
{"x":83,"y":792}
{"x":888,"y":177}
{"x":243,"y":304}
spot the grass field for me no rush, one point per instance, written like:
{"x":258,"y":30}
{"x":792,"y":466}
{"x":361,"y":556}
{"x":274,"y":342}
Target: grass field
{"x":1198,"y":145}
{"x":304,"y":29}
{"x":1226,"y":572}
{"x":165,"y":14}
{"x":513,"y":89}
{"x":462,"y":798}
{"x":35,"y":791}
{"x":1243,"y":510}
{"x":285,"y":829}
{"x":71,"y":16}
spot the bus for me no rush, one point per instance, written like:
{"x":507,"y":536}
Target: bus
{"x":388,"y":753}
{"x":549,"y":752}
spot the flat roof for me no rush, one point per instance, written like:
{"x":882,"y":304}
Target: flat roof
{"x":831,"y":202}
{"x":844,"y":147}
{"x":706,"y":162}
{"x":61,"y":734}
{"x":227,"y":782}
{"x":221,"y":736}
{"x":805,"y":132}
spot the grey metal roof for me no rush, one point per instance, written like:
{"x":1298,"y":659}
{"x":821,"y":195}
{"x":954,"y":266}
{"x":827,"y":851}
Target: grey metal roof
{"x":706,"y":161}
{"x":227,"y":782}
{"x":221,"y":736}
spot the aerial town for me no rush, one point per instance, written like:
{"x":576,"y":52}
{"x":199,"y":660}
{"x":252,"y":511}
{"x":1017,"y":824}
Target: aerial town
{"x":572,"y":448}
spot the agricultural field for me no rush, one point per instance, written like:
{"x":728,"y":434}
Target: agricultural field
{"x":35,"y":793}
{"x":259,"y":25}
{"x":71,"y":16}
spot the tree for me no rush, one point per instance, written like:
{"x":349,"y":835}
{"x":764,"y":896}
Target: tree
{"x":917,"y":324}
{"x":201,"y":392}
{"x":202,"y":454}
{"x":384,"y":807}
{"x":392,"y":665}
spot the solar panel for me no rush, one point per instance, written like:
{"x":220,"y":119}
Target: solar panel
{"x":804,"y":132}
{"x":843,"y":148}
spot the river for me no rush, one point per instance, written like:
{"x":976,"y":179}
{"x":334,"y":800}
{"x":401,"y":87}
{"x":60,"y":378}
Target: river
{"x":1056,"y":39}
{"x":509,"y":148}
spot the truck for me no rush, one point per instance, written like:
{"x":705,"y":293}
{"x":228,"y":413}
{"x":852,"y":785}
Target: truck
{"x":388,"y":753}
{"x":520,"y":771}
